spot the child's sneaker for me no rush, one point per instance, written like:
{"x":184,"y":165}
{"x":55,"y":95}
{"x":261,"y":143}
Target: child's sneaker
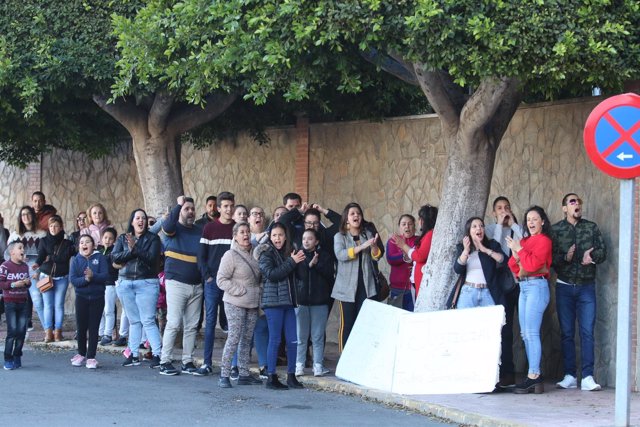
{"x":319,"y":370}
{"x":131,"y":361}
{"x":77,"y":360}
{"x":8,"y":365}
{"x":299,"y":369}
{"x":92,"y":364}
{"x":106,"y":340}
{"x":126,"y":353}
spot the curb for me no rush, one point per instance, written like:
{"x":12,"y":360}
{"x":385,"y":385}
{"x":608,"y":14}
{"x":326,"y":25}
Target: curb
{"x":335,"y":385}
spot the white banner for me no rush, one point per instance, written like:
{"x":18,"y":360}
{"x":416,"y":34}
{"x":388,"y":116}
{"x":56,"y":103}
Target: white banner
{"x":443,"y":352}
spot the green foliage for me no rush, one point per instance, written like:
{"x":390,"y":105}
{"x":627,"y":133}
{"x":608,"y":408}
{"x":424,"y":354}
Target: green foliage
{"x":53,"y":56}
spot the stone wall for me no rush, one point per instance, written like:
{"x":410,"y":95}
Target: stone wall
{"x":14,"y":193}
{"x":390,"y":168}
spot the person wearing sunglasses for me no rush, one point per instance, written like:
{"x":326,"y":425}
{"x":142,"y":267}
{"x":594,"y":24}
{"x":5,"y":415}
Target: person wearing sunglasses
{"x":578,"y":247}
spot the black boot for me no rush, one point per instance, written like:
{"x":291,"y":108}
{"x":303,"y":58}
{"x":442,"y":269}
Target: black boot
{"x":274,"y":383}
{"x":293,"y":382}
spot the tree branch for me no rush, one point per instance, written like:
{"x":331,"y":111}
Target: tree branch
{"x":159,"y":112}
{"x":393,"y":64}
{"x":482,"y":105}
{"x":191,"y":116}
{"x":126,"y":113}
{"x":505,"y":111}
{"x":446,"y":97}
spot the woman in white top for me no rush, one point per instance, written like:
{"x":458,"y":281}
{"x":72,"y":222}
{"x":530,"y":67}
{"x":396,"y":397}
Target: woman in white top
{"x":478,"y":260}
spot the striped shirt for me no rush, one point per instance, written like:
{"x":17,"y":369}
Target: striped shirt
{"x":215,"y":241}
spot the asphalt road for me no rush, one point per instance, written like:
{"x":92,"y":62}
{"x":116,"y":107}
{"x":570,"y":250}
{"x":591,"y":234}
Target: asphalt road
{"x":49,"y":391}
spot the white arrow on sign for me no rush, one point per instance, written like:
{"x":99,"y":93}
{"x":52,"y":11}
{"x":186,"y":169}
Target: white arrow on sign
{"x":624,"y":157}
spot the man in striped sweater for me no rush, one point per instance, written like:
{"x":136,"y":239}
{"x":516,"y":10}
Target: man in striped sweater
{"x":215,"y":241}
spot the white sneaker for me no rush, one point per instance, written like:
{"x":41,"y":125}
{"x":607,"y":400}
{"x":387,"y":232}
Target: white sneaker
{"x":569,"y":381}
{"x":92,"y":364}
{"x":299,"y":369}
{"x":589,"y":384}
{"x":319,"y":370}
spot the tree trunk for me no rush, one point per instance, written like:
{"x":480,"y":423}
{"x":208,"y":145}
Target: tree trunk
{"x":155,"y":127}
{"x":159,"y":170}
{"x":472,"y":126}
{"x":464,"y":195}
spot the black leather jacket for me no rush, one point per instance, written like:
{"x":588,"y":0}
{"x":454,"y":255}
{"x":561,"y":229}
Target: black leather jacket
{"x":143,"y":261}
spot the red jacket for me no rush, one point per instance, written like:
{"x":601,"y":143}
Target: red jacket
{"x":400,"y":276}
{"x":419,"y":257}
{"x":535,"y":254}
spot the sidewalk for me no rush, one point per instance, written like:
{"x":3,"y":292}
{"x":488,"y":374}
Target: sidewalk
{"x":553,"y":408}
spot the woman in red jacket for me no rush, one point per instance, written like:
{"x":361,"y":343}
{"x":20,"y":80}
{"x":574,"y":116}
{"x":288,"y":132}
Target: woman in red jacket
{"x":397,"y":247}
{"x":530,"y":262}
{"x":419,"y":254}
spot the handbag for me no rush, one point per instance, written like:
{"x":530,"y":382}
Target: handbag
{"x":507,"y":280}
{"x":455,"y":294}
{"x":46,"y":283}
{"x":381,"y":283}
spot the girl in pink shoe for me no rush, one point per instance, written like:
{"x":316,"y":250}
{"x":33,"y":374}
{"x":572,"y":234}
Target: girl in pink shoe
{"x":88,"y":274}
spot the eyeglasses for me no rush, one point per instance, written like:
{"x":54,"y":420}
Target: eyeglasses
{"x":257,"y":213}
{"x":574,"y":202}
{"x":311,"y":223}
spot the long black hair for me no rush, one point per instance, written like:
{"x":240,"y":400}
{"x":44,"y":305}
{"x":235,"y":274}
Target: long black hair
{"x":467,"y":232}
{"x":287,"y":247}
{"x":133,"y":214}
{"x":34,"y":220}
{"x":428,"y":214}
{"x":546,"y":224}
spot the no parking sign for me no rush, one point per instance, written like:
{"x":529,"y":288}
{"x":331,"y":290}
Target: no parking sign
{"x":612,"y":136}
{"x":612,"y":140}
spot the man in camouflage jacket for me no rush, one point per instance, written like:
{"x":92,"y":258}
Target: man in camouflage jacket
{"x":577,"y":248}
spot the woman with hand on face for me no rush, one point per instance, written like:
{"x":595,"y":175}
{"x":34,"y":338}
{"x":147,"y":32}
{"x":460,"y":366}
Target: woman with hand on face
{"x":478,"y":260}
{"x":54,"y":253}
{"x":89,"y":272}
{"x":277,"y":264}
{"x":530,"y":262}
{"x":356,"y":247}
{"x":398,"y":246}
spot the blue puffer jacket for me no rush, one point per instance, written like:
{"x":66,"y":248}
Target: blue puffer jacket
{"x":277,"y":276}
{"x":98,"y":264}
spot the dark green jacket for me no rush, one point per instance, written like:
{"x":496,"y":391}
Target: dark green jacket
{"x":585,"y":234}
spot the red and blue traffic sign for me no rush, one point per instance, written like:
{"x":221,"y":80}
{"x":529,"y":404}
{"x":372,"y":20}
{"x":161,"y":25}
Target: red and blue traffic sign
{"x":612,"y":136}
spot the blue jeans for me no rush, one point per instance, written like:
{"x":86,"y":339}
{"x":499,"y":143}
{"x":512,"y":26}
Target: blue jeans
{"x":108,"y":320}
{"x":577,"y":302}
{"x":212,"y":300}
{"x":280,"y":318}
{"x":534,"y":298}
{"x":311,"y":320}
{"x":140,"y":298}
{"x":261,"y":339}
{"x":407,"y":299}
{"x":474,"y":297}
{"x":54,"y":302}
{"x":17,"y":318}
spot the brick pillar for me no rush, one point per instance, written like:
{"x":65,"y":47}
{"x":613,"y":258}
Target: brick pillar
{"x":34,"y":179}
{"x":302,"y":157}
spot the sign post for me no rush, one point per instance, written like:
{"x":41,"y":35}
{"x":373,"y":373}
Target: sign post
{"x":612,"y":141}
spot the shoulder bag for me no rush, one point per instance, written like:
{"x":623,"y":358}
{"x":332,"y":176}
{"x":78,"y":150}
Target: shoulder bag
{"x":46,"y":283}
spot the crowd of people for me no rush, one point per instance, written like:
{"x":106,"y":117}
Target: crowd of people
{"x":265,"y":282}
